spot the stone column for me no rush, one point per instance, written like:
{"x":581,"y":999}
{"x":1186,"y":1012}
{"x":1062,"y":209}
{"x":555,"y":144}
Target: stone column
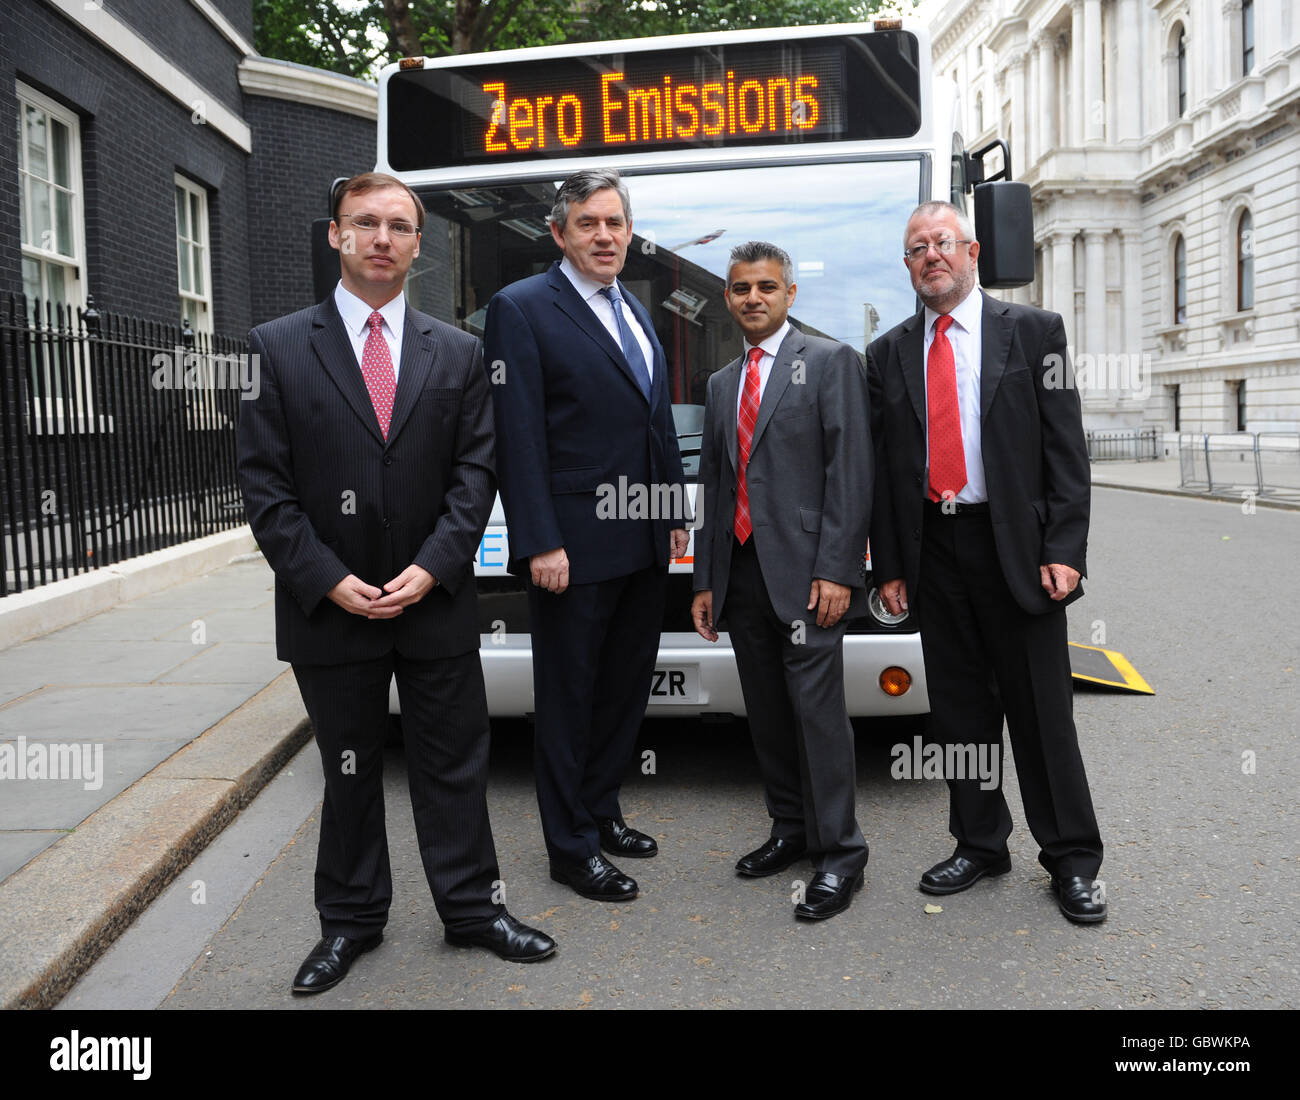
{"x":1062,"y":301}
{"x":1230,"y":55}
{"x":1033,"y":96}
{"x":1128,"y":79}
{"x":1046,"y":278}
{"x":1076,"y":72}
{"x":1131,"y":257}
{"x":1019,"y":114}
{"x":1094,"y":308}
{"x":1094,"y":114}
{"x":1046,"y":93}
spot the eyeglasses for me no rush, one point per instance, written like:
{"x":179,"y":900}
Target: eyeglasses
{"x":366,"y":224}
{"x":946,"y":247}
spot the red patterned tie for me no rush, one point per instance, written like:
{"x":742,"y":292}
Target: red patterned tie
{"x":745,"y":439}
{"x":377,"y":370}
{"x":947,"y":455}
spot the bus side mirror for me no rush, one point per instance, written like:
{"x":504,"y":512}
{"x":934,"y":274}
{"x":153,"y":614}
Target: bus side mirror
{"x":325,"y":268}
{"x":1004,"y":227}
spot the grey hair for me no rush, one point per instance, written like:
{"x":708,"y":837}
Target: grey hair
{"x":752,"y":252}
{"x":580,"y":186}
{"x":938,"y":206}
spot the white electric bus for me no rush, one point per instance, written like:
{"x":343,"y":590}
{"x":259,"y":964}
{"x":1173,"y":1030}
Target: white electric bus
{"x":819,"y":139}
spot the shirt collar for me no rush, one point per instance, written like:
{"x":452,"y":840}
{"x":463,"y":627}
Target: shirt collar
{"x":773,"y":343}
{"x":356,"y":313}
{"x":587,"y":288}
{"x":965,"y":314}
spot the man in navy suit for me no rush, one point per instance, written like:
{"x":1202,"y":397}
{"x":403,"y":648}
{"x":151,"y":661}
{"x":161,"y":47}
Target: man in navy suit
{"x":582,"y":399}
{"x":367,"y":473}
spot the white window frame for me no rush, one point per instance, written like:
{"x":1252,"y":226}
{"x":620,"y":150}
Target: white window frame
{"x":73,"y":264}
{"x":76,"y":261}
{"x":203,"y":302}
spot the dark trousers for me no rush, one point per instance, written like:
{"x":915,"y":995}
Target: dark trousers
{"x":594,"y":650}
{"x":793,"y":682}
{"x":986,"y":658}
{"x":446,"y":732}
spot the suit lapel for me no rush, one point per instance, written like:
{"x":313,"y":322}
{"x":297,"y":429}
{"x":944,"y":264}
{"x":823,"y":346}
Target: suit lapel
{"x":330,"y":341}
{"x":911,"y":357}
{"x":995,"y":344}
{"x":777,"y":381}
{"x":730,"y":392}
{"x":416,"y":362}
{"x":570,"y":302}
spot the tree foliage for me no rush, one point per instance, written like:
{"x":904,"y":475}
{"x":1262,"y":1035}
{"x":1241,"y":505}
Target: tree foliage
{"x":358,"y":36}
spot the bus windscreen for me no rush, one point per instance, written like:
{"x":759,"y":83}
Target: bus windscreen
{"x":837,"y":88}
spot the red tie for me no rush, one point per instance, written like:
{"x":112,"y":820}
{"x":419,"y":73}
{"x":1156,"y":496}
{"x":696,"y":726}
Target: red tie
{"x":947,"y":456}
{"x":745,"y":439}
{"x":377,"y":370}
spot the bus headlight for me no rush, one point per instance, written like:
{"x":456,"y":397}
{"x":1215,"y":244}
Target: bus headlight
{"x":880,"y":612}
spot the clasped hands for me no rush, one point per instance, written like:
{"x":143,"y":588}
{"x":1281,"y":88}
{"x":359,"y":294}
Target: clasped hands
{"x":356,"y":597}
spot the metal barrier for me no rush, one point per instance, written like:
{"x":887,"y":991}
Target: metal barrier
{"x":117,"y":437}
{"x":1266,"y":463}
{"x":1123,"y":445}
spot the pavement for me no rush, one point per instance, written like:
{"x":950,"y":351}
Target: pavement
{"x":131,"y":739}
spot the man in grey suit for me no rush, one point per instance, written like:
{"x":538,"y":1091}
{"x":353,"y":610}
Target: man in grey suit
{"x":366,"y":466}
{"x":785,"y":476}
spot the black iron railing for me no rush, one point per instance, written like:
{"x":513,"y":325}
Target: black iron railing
{"x":117,"y":437}
{"x":1123,"y":445}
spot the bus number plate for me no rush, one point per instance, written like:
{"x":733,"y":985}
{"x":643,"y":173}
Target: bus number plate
{"x":675,"y":684}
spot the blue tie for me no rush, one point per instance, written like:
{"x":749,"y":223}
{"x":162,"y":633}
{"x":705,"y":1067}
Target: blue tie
{"x":631,"y":346}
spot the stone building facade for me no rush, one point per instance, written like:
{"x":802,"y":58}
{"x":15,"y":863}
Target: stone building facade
{"x":1161,"y":141}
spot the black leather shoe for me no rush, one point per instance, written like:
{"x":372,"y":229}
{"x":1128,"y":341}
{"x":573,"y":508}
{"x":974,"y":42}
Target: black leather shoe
{"x":1080,"y":899}
{"x":775,"y":855}
{"x":828,"y":894}
{"x":595,"y":878}
{"x":329,"y":962}
{"x":618,"y":838}
{"x":511,"y":939}
{"x":959,"y":873}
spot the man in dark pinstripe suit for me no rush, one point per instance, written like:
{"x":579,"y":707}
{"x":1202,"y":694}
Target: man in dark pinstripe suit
{"x":366,"y":464}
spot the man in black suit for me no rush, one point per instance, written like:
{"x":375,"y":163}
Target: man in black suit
{"x":367,"y":472}
{"x":785,"y":474}
{"x":582,"y":401}
{"x":980,"y":524}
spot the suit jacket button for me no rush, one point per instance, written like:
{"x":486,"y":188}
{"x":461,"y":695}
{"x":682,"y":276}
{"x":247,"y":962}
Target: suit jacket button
{"x":916,"y":532}
{"x":387,"y":524}
{"x":388,"y":460}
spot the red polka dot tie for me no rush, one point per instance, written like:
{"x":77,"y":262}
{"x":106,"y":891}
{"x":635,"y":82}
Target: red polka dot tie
{"x":377,"y":370}
{"x":947,"y":455}
{"x":745,"y":440}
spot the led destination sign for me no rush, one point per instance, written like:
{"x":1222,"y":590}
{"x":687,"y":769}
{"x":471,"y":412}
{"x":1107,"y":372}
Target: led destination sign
{"x":760,"y":105}
{"x":845,"y":87}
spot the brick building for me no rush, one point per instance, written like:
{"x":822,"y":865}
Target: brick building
{"x":151,"y":159}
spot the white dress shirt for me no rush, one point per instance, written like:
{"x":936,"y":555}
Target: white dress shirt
{"x":356,"y":321}
{"x":590,"y":292}
{"x":964,"y":334}
{"x":770,"y":347}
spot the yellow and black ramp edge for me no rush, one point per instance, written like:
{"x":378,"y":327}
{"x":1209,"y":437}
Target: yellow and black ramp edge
{"x":1105,"y":669}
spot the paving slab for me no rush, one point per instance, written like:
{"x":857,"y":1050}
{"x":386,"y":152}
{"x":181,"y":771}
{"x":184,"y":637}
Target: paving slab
{"x":227,"y":663}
